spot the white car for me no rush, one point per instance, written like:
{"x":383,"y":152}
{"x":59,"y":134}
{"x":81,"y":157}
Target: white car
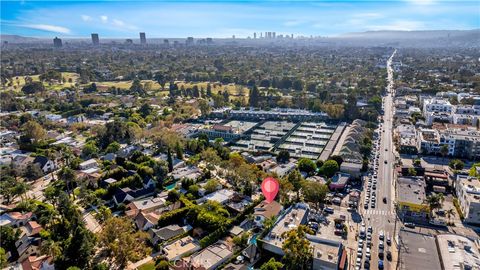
{"x":381,"y":235}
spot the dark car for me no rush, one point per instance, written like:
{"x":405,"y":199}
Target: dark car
{"x":380,"y":264}
{"x":389,"y":255}
{"x":384,"y":199}
{"x":366,"y":264}
{"x":410,"y":225}
{"x":380,"y":254}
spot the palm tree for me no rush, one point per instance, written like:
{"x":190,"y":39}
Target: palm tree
{"x":51,"y":248}
{"x":269,"y":222}
{"x":450,"y":213}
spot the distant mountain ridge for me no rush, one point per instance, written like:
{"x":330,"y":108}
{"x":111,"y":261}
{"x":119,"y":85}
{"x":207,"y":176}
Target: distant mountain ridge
{"x":424,"y":34}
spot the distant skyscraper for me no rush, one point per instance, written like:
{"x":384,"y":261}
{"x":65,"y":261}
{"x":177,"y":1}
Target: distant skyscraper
{"x":165,"y":42}
{"x":95,"y":39}
{"x":57,"y":43}
{"x":189,"y":41}
{"x":143,"y":38}
{"x":233,"y":36}
{"x":128,"y":41}
{"x":273,"y":35}
{"x":266,"y":34}
{"x":254,"y":35}
{"x":209,"y":40}
{"x":261,"y":35}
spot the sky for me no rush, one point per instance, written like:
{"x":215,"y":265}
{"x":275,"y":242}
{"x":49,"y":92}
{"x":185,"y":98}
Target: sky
{"x":217,"y":19}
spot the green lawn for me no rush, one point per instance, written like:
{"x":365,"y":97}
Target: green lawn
{"x":147,"y":266}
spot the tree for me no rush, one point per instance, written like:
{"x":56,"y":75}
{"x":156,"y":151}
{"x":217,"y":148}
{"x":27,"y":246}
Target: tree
{"x":90,"y":150}
{"x":33,"y":88}
{"x":412,"y":172}
{"x":178,"y":151}
{"x":10,"y":188}
{"x":145,"y":110}
{"x":456,"y":164}
{"x":435,"y":201}
{"x":307,"y":165}
{"x":137,"y":87}
{"x":169,"y":160}
{"x":204,"y":107}
{"x":444,"y":150}
{"x":417,"y":162}
{"x":272,"y":264}
{"x":92,"y":88}
{"x":8,"y":237}
{"x":338,"y":159}
{"x":450,"y":213}
{"x":34,"y":131}
{"x":314,"y":192}
{"x":329,"y":168}
{"x":51,"y":248}
{"x":351,"y":109}
{"x":122,"y":242}
{"x":283,"y":156}
{"x":112,"y":147}
{"x":211,"y":185}
{"x":254,"y":97}
{"x":162,"y":265}
{"x":298,"y":253}
{"x":295,"y":178}
{"x":3,"y":258}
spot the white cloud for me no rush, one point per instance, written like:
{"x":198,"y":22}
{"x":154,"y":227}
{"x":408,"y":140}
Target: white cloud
{"x":400,"y":25}
{"x":48,"y":28}
{"x":421,"y":2}
{"x":293,"y":23}
{"x":86,"y":18}
{"x":104,"y":18}
{"x":118,"y":22}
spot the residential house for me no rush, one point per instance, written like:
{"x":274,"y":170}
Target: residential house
{"x":211,"y":257}
{"x":45,"y":164}
{"x":158,"y":236}
{"x":43,"y":262}
{"x":29,"y":242}
{"x":88,"y":164}
{"x":15,"y":219}
{"x":176,"y":250}
{"x":265,"y":210}
{"x":222,"y":196}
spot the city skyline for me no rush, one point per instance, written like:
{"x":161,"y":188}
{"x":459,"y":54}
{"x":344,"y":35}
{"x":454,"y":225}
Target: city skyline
{"x":76,"y":19}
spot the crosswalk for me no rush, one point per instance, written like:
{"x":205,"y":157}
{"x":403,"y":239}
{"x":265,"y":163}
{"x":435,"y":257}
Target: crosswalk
{"x":379,"y":212}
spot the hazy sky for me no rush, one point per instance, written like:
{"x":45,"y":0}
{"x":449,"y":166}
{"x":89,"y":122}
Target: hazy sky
{"x":227,"y":18}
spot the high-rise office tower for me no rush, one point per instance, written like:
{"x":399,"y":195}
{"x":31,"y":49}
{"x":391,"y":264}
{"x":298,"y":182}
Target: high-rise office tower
{"x":95,"y":39}
{"x":273,"y":35}
{"x":266,"y":34}
{"x":254,"y":35}
{"x":57,"y":43}
{"x":143,"y":38}
{"x":189,"y":41}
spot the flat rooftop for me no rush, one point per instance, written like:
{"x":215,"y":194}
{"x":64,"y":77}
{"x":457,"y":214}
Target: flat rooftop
{"x":411,"y":189}
{"x":418,"y":251}
{"x":180,"y":247}
{"x":458,"y":252}
{"x":290,"y":220}
{"x":240,"y":126}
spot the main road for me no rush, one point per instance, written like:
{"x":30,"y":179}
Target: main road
{"x":382,"y":217}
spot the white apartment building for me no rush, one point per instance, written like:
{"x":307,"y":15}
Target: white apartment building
{"x":467,"y":189}
{"x":441,"y":110}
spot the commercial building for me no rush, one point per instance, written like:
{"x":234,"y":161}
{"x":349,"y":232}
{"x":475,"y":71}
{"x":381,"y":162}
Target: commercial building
{"x":143,"y":38}
{"x":418,"y":251}
{"x":410,"y":200}
{"x":278,"y":114}
{"x":57,"y":43}
{"x":467,"y":189}
{"x":327,"y":254}
{"x":457,"y":252}
{"x":95,"y":39}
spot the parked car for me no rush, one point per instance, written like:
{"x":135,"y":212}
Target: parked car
{"x":410,"y":225}
{"x":380,"y":264}
{"x":384,"y":199}
{"x":389,"y":255}
{"x":328,"y":210}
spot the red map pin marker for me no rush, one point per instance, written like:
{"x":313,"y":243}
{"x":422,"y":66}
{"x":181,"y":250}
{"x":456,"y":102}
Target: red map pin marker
{"x":270,"y":187}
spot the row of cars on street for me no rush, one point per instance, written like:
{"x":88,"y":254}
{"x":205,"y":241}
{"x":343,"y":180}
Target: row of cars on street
{"x":365,"y":245}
